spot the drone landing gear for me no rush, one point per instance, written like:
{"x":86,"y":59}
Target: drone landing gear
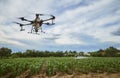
{"x":22,"y":28}
{"x":35,"y":32}
{"x":42,"y":31}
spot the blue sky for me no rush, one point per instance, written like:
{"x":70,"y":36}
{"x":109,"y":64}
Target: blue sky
{"x":81,"y":25}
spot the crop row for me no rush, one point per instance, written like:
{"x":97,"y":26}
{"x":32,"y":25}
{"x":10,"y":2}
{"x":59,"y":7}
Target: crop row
{"x":19,"y":65}
{"x":54,"y":65}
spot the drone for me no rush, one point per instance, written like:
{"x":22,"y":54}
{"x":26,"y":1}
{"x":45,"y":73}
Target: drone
{"x":36,"y":23}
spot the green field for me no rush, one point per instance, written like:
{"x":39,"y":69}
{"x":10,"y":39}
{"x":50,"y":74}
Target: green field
{"x":65,"y":65}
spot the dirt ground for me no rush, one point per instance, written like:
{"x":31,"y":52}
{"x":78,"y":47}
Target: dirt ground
{"x":90,"y":75}
{"x":60,"y":75}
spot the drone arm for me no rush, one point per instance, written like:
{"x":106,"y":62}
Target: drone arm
{"x":23,"y":19}
{"x":27,"y":24}
{"x":27,"y":20}
{"x":47,"y":19}
{"x":53,"y":18}
{"x":49,"y":23}
{"x":21,"y":25}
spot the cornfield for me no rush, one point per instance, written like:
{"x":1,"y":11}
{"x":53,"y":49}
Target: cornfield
{"x":65,"y":65}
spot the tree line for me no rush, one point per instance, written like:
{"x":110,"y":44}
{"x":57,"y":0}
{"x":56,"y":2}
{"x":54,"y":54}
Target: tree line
{"x":108,"y":52}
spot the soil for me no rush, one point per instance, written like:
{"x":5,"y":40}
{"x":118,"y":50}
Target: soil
{"x":90,"y":75}
{"x":60,"y":75}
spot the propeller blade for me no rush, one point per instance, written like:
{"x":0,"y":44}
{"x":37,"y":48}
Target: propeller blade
{"x":22,"y":18}
{"x":18,"y":23}
{"x":40,"y":14}
{"x":53,"y":17}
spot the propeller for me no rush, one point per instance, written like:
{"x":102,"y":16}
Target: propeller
{"x":40,"y":14}
{"x":53,"y":17}
{"x":18,"y":23}
{"x":21,"y":25}
{"x":22,"y":18}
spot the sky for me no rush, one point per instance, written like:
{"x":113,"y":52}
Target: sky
{"x":80,"y":25}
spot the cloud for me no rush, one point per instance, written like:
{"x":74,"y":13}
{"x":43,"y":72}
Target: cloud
{"x":78,"y":23}
{"x":91,"y":20}
{"x":116,"y":33}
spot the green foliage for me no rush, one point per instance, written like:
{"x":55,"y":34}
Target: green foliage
{"x":64,"y":65}
{"x":20,"y":65}
{"x":109,"y":52}
{"x":5,"y":52}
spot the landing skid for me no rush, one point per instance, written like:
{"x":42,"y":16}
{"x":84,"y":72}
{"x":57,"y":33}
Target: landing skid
{"x":36,"y":33}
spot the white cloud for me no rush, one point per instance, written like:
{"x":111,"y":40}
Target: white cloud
{"x":71,"y":23}
{"x":6,"y":40}
{"x":77,"y":21}
{"x":68,"y":41}
{"x":79,"y":12}
{"x":67,"y":3}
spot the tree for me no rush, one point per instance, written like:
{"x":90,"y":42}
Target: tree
{"x":81,"y":53}
{"x":111,"y":51}
{"x":5,"y":52}
{"x":17,"y":54}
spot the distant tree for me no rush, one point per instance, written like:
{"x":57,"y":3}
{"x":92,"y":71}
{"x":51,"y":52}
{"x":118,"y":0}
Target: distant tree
{"x":111,"y":51}
{"x":75,"y":53}
{"x":5,"y":52}
{"x":30,"y":53}
{"x":81,"y":53}
{"x":72,"y":53}
{"x":14,"y":55}
{"x":94,"y":54}
{"x":59,"y":54}
{"x":17,"y":54}
{"x":66,"y":54}
{"x":101,"y":53}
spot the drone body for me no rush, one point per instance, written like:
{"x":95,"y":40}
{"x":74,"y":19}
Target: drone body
{"x":36,"y":23}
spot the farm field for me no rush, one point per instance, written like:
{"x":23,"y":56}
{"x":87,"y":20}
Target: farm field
{"x":60,"y":67}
